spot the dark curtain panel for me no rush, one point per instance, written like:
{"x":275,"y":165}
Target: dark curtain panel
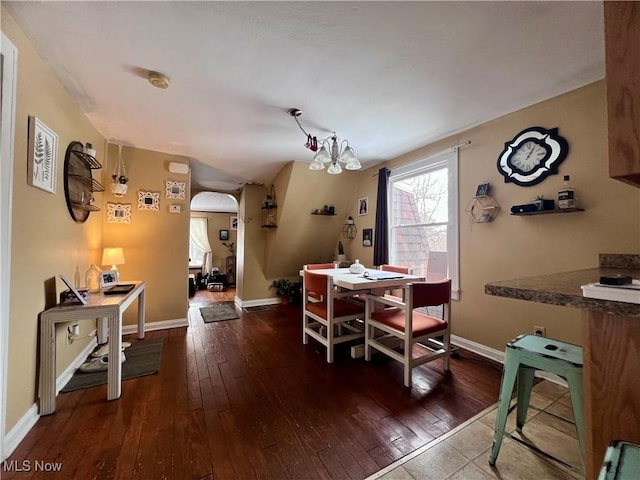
{"x":381,"y":237}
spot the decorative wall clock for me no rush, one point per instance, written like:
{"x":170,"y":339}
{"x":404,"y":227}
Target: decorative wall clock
{"x":532,"y":155}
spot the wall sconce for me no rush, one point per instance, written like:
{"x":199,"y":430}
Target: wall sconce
{"x":349,"y":229}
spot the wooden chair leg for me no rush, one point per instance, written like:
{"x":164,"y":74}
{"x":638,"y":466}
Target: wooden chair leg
{"x":408,"y":371}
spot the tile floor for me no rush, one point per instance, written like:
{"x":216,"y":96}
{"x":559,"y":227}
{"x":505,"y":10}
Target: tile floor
{"x":463,"y":453}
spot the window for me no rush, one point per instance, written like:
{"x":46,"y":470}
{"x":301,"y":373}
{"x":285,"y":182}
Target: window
{"x":423,"y":217}
{"x":199,"y":243}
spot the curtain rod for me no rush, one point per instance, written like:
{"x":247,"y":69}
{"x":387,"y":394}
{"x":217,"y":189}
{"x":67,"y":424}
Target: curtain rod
{"x":452,"y":148}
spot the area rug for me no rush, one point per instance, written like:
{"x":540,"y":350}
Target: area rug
{"x":143,"y":358}
{"x":219,"y":312}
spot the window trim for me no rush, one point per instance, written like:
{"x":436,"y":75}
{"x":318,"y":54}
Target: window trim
{"x":449,"y":159}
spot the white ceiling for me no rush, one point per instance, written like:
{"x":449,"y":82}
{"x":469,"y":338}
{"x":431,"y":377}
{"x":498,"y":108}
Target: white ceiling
{"x":387,"y":76}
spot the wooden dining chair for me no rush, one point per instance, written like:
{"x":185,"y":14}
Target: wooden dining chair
{"x":395,"y":294}
{"x":333,"y":319}
{"x":397,"y":329}
{"x":317,"y":266}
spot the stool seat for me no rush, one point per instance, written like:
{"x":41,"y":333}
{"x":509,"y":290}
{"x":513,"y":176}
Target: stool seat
{"x":523,"y":356}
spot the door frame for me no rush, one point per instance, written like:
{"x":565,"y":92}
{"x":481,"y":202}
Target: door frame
{"x":8,"y":76}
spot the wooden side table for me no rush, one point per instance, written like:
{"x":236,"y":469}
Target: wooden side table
{"x":99,"y":307}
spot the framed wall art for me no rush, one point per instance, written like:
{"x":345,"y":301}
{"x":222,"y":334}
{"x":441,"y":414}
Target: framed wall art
{"x":118,"y":213}
{"x":148,"y":200}
{"x":175,"y":189}
{"x":367,"y":237}
{"x":42,"y":156}
{"x":234,"y":222}
{"x":224,"y":234}
{"x":363,"y":206}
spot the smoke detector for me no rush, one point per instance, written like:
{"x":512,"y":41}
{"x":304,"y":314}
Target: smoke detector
{"x":159,"y":80}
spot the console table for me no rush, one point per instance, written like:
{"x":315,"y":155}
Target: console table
{"x":99,"y":307}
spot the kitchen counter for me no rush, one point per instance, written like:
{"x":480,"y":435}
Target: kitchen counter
{"x":611,"y":353}
{"x":564,"y":289}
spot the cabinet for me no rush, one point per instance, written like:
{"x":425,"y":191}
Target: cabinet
{"x":231,"y":270}
{"x":622,"y":42}
{"x":79,"y":184}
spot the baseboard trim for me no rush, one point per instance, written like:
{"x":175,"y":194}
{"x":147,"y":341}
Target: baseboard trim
{"x":498,"y":356}
{"x":478,"y":348}
{"x":20,"y":430}
{"x":153,"y":326}
{"x":256,"y":303}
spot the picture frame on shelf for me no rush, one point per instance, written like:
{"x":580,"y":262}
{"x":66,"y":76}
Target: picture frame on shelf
{"x":108,"y":278}
{"x":224,"y":235}
{"x":42,"y":156}
{"x":482,"y":190}
{"x":148,"y":200}
{"x":363,"y":206}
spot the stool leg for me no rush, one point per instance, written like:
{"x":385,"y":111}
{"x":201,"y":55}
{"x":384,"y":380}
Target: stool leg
{"x":525,"y":384}
{"x":575,"y":391}
{"x":508,"y":379}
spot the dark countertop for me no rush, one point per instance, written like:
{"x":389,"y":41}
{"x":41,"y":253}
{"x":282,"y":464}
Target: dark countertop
{"x":564,"y":289}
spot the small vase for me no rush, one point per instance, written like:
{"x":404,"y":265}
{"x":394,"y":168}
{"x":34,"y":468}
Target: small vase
{"x":356,"y":267}
{"x":92,"y":278}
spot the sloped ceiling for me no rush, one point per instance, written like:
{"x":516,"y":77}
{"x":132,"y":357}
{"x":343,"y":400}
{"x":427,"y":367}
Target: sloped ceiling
{"x":387,"y":76}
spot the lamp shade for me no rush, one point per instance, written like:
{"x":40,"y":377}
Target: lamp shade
{"x":113,"y":256}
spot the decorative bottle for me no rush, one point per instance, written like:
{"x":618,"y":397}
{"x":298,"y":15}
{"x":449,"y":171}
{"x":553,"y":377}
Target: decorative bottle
{"x":76,"y":278}
{"x":566,"y":195}
{"x":92,"y":278}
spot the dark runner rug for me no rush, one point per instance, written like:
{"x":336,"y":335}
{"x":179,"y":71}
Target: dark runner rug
{"x":143,"y":358}
{"x":219,"y":312}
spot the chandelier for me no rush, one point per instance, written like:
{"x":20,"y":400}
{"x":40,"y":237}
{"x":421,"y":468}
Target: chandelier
{"x":332,"y":152}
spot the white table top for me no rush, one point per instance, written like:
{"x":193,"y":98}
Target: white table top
{"x":342,"y":277}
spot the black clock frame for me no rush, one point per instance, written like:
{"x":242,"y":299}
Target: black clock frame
{"x":557,"y":149}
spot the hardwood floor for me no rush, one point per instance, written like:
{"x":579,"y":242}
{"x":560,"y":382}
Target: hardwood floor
{"x":244,"y":399}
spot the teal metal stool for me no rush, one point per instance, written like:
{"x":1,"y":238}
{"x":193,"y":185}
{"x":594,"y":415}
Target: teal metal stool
{"x":523,"y":356}
{"x":621,"y":462}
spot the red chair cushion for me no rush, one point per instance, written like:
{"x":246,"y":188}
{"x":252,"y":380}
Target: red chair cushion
{"x":422,"y":324}
{"x":341,"y":308}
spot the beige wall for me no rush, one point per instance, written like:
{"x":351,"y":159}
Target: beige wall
{"x":46,"y":242}
{"x":155,"y":243}
{"x":513,"y":246}
{"x":215,"y":223}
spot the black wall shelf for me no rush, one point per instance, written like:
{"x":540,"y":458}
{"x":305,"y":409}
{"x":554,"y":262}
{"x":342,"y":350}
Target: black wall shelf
{"x":543,"y":212}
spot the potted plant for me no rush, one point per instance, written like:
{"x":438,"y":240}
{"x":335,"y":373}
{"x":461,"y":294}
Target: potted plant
{"x":283,"y":289}
{"x":341,"y":256}
{"x":119,"y":185}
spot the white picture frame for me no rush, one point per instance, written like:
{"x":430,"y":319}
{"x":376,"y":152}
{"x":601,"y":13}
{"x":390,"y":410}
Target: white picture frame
{"x":118,"y":212}
{"x":148,"y":200}
{"x":42,"y":156}
{"x":108,"y":278}
{"x":233,"y":222}
{"x":175,"y":189}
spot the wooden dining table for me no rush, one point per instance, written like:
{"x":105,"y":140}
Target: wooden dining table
{"x":372,"y":281}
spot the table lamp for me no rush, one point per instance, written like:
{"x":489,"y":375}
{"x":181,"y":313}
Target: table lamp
{"x":113,"y":256}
